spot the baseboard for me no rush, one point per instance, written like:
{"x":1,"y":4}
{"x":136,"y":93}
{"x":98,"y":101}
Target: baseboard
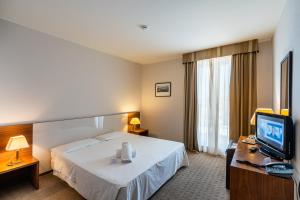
{"x":44,"y":173}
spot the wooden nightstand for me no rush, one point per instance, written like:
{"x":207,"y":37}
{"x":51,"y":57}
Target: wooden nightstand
{"x":28,"y":168}
{"x":140,"y":131}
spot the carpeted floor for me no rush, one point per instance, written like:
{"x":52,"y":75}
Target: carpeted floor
{"x":204,"y":179}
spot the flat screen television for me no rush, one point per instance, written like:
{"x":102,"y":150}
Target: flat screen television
{"x":275,"y":134}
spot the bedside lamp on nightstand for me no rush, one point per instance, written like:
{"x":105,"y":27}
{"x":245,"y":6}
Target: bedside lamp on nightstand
{"x":15,"y":144}
{"x":284,"y":112}
{"x":135,"y":121}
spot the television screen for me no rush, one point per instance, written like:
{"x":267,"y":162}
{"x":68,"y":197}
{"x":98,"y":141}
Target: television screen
{"x":271,"y":131}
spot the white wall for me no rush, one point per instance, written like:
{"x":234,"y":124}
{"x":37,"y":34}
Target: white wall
{"x":163,"y":116}
{"x":45,"y":78}
{"x":287,"y":38}
{"x":265,"y":75}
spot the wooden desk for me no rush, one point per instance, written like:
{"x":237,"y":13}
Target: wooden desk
{"x":28,"y":168}
{"x":250,"y":183}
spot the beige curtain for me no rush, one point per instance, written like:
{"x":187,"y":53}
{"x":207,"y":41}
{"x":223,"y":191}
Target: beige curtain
{"x":231,"y":49}
{"x":243,"y":94}
{"x":190,"y":115}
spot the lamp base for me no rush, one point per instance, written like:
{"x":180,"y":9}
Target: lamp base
{"x":15,"y":161}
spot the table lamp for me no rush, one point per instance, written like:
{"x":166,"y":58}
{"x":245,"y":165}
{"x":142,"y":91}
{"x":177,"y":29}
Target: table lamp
{"x":15,"y":144}
{"x":262,"y":110}
{"x":135,"y":121}
{"x":284,"y":112}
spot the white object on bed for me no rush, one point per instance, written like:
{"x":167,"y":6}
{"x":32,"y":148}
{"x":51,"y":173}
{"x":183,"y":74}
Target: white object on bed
{"x":126,"y":154}
{"x":118,"y":153}
{"x":91,"y":172}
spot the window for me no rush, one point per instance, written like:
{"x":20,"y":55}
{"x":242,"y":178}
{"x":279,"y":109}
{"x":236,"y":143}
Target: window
{"x":213,"y":82}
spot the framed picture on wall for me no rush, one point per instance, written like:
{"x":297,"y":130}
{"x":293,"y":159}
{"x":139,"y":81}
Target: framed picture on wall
{"x":163,"y":89}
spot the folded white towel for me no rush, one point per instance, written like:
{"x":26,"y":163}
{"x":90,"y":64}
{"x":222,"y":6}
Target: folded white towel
{"x":126,"y":154}
{"x":119,"y":152}
{"x":133,"y":153}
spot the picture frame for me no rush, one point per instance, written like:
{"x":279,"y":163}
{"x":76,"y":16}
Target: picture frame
{"x":163,"y":89}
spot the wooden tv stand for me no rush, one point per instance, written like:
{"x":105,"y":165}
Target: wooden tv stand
{"x":247,"y":182}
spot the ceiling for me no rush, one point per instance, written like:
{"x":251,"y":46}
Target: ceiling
{"x":175,"y":27}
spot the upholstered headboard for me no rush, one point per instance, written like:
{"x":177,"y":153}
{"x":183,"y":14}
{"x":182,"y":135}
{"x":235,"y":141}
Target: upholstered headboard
{"x":50,"y":134}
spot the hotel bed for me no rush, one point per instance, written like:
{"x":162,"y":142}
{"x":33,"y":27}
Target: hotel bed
{"x":91,"y":167}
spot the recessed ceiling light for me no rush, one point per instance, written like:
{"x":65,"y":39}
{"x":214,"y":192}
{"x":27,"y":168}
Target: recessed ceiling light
{"x":143,"y":27}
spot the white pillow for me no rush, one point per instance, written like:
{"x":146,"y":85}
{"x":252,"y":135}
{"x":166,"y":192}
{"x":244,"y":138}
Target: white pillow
{"x":110,"y":136}
{"x":73,"y":146}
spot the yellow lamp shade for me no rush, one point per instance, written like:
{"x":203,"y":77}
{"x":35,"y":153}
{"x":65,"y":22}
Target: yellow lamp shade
{"x":262,"y":110}
{"x":284,"y":112}
{"x":16,"y":143}
{"x":135,"y":121}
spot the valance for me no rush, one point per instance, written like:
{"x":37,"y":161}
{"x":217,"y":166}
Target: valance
{"x":231,"y":49}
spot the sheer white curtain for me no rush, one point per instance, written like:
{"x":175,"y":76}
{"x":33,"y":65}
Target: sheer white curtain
{"x":213,"y":79}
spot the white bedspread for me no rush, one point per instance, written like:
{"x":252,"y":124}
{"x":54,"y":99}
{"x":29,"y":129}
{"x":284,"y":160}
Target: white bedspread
{"x":88,"y":166}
